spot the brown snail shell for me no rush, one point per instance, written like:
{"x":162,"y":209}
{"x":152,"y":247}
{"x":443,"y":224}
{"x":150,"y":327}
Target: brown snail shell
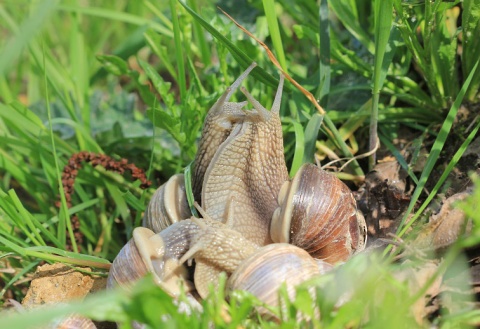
{"x":269,"y":267}
{"x":128,"y":267}
{"x":318,"y":213}
{"x":168,"y":205}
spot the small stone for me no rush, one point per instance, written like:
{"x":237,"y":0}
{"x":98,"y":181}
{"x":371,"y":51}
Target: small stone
{"x":57,"y":283}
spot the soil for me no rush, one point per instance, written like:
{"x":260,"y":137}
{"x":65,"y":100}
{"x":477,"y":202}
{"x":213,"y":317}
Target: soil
{"x":386,"y":192}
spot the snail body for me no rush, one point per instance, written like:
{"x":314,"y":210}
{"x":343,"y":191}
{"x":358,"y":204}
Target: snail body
{"x":246,"y":172}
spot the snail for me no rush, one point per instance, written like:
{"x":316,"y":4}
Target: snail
{"x":215,"y":246}
{"x":247,"y":203}
{"x":158,"y":254}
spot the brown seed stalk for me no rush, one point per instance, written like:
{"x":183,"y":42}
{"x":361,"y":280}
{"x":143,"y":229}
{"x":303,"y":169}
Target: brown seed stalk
{"x":70,"y":172}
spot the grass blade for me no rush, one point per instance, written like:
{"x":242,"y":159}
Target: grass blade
{"x":64,"y":223}
{"x":68,"y":254}
{"x":117,"y":16}
{"x":299,"y":147}
{"x":200,"y":37}
{"x":311,"y":134}
{"x":30,"y":26}
{"x":179,"y":56}
{"x":324,"y":50}
{"x":453,"y":162}
{"x":272,"y":21}
{"x":435,"y":151}
{"x":189,"y":190}
{"x":347,"y":12}
{"x":242,"y":58}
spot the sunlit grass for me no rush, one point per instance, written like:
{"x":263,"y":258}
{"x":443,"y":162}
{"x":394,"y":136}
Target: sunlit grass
{"x":135,"y":79}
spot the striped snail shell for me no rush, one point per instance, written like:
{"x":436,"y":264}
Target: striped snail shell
{"x":264,"y":272}
{"x":74,"y":322}
{"x":318,"y":213}
{"x":168,"y":205}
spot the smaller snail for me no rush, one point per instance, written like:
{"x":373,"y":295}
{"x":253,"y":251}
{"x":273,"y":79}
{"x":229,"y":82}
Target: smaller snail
{"x":215,"y":247}
{"x":318,"y":213}
{"x":156,"y":253}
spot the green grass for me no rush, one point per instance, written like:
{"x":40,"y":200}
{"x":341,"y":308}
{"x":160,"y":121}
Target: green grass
{"x":134,"y":80}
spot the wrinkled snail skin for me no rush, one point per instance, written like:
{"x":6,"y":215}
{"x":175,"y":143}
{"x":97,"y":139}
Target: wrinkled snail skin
{"x":245,"y":174}
{"x":216,"y":128}
{"x":168,"y":205}
{"x":216,"y":248}
{"x":318,"y":213}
